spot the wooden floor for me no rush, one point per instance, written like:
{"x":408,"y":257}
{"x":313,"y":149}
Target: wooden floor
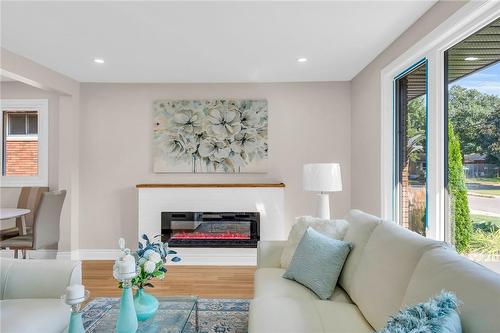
{"x":202,"y":281}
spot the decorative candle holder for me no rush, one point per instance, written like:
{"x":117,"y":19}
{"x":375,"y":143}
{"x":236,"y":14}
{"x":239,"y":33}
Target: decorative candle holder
{"x":75,"y":320}
{"x":127,"y":319}
{"x":124,"y":270}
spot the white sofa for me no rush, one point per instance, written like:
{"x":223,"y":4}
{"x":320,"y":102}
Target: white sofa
{"x":30,"y":292}
{"x":388,"y":268}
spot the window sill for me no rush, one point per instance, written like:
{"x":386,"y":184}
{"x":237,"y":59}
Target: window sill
{"x":21,"y":138}
{"x":11,"y":181}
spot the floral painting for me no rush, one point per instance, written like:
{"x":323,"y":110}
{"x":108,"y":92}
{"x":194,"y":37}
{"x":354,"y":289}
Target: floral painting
{"x":226,"y":136}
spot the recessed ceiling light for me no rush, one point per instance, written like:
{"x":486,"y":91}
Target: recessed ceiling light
{"x":471,"y":58}
{"x":302,"y":60}
{"x":98,"y":61}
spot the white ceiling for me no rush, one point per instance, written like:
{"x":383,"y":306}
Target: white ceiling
{"x":205,"y":41}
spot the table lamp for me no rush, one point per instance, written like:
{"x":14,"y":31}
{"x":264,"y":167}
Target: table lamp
{"x":322,"y":178}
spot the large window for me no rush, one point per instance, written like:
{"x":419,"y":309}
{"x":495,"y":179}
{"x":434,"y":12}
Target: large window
{"x":462,"y":142}
{"x":24,"y":142}
{"x":411,"y":147}
{"x":472,"y":73}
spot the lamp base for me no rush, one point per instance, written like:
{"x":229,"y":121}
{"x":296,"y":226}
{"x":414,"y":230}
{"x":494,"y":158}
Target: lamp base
{"x":324,"y":206}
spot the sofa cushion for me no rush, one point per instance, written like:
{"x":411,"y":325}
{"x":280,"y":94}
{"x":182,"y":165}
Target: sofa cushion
{"x":286,"y":315}
{"x":33,"y":315}
{"x":283,"y":315}
{"x":361,"y":226}
{"x":341,"y":317}
{"x":317,"y":262}
{"x":339,"y":295}
{"x":269,"y":253}
{"x":384,"y":271}
{"x":269,"y":282}
{"x":476,"y":286}
{"x":5,"y":266}
{"x":335,"y":229}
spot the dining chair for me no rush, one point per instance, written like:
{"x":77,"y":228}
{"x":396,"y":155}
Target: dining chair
{"x":29,"y":198}
{"x":45,"y":230}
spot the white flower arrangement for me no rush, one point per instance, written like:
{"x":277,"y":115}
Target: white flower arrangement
{"x":151,"y":258}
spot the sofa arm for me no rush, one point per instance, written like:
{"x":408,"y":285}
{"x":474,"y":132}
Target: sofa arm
{"x":38,"y":278}
{"x":269,"y":253}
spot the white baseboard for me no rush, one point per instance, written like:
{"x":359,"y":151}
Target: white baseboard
{"x":36,"y":254}
{"x":98,"y":254}
{"x":189,"y":256}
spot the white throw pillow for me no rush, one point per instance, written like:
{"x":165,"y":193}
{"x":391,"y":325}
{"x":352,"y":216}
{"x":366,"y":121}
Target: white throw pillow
{"x":335,"y":229}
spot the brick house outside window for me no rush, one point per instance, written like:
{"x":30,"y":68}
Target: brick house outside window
{"x":20,"y":148}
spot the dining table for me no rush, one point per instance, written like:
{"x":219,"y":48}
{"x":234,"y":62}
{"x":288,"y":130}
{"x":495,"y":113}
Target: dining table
{"x":14,"y":213}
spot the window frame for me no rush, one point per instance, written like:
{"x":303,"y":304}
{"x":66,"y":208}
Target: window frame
{"x":397,"y":149}
{"x":41,"y":106}
{"x":466,"y":21}
{"x":27,"y":135}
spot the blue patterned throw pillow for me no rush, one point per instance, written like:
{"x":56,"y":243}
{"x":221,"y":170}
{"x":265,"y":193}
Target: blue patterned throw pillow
{"x":438,"y":315}
{"x":317,"y":262}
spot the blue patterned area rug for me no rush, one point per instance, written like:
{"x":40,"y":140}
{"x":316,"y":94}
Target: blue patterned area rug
{"x":214,"y":315}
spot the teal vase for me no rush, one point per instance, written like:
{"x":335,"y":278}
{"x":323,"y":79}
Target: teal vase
{"x":76,"y":323}
{"x":127,"y":320}
{"x":145,"y":304}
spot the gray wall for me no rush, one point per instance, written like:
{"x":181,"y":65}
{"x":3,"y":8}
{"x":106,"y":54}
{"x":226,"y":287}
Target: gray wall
{"x":308,"y":122}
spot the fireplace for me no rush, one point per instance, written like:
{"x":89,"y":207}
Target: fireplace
{"x":210,"y":229}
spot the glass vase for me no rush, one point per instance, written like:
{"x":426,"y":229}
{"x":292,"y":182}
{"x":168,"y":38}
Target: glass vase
{"x":127,"y":320}
{"x":145,"y":304}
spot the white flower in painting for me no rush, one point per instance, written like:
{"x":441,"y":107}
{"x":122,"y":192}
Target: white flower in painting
{"x":261,"y":133}
{"x":261,"y":152}
{"x":213,"y":150}
{"x":223,"y":123}
{"x":246,"y":141}
{"x":174,"y":145}
{"x":155,"y":257}
{"x":188,"y":122}
{"x":149,"y":267}
{"x":206,"y":148}
{"x":249,"y":118}
{"x":236,"y":161}
{"x":142,"y":261}
{"x":181,"y":145}
{"x":190,"y":144}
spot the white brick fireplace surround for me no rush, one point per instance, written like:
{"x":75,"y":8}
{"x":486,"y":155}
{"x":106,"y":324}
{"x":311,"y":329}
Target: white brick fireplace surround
{"x":267,"y":199}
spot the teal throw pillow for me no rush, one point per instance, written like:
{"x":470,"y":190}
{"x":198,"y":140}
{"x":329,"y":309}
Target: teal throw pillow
{"x":317,"y":262}
{"x":438,"y":315}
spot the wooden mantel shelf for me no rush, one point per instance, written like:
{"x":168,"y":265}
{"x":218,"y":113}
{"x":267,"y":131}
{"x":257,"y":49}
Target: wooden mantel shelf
{"x":209,"y":185}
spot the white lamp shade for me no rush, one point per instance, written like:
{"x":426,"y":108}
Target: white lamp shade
{"x":322,"y":177}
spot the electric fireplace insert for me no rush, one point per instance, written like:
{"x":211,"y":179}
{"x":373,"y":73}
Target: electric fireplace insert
{"x":210,"y":229}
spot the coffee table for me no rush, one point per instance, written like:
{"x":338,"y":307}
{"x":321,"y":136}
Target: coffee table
{"x":174,"y":315}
